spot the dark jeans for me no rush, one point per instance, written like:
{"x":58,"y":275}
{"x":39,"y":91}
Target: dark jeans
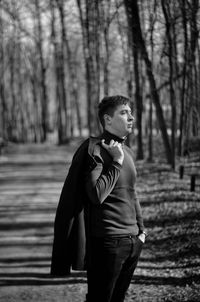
{"x":112,"y":263}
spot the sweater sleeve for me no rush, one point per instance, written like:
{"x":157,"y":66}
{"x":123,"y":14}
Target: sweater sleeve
{"x":100,"y":182}
{"x":139,"y":214}
{"x":138,"y":210}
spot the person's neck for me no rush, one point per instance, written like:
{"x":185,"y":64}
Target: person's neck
{"x":108,"y":135}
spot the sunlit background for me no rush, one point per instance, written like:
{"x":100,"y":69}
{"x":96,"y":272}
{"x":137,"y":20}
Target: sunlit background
{"x":58,"y":58}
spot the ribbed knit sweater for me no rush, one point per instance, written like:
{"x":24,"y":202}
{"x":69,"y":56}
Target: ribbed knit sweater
{"x":114,"y":206}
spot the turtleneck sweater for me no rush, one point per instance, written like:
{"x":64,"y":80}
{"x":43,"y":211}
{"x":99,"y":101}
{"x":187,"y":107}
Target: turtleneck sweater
{"x":114,"y":206}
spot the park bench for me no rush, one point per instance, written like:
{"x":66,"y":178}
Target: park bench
{"x":190,"y":165}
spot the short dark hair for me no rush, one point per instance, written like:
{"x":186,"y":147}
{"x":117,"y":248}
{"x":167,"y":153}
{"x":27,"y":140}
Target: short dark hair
{"x":109,"y":104}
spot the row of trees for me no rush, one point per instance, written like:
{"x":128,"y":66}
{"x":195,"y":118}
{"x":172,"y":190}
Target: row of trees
{"x":59,"y":57}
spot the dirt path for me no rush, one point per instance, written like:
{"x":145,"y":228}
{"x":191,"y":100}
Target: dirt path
{"x":31,"y":178}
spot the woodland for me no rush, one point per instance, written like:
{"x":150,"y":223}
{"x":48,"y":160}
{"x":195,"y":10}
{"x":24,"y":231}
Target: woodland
{"x":58,"y":59}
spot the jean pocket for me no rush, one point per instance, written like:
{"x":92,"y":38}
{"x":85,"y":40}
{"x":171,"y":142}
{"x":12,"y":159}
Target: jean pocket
{"x":110,"y":242}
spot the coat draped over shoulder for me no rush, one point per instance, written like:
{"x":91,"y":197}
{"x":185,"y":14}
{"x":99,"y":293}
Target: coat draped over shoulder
{"x":70,"y":230}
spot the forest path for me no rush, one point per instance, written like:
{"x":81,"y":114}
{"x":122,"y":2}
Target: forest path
{"x":31,"y":178}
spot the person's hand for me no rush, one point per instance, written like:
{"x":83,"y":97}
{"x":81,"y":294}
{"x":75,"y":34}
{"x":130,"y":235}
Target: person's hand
{"x":115,"y":150}
{"x":142,"y":237}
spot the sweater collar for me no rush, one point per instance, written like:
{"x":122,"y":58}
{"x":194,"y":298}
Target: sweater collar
{"x":109,"y":136}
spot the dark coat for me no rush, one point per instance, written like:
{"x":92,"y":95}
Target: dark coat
{"x":70,"y":230}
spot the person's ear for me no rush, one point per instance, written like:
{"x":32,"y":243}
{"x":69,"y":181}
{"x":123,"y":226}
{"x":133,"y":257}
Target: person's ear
{"x":107,"y":119}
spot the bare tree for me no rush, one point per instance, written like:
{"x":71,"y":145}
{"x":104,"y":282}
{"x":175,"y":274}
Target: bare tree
{"x":105,"y":20}
{"x":157,"y":52}
{"x":59,"y":63}
{"x":152,"y":8}
{"x":39,"y":45}
{"x":3,"y":106}
{"x":189,"y":115}
{"x":89,"y":18}
{"x":134,"y":24}
{"x":168,"y":9}
{"x":73,"y":85}
{"x":126,"y":44}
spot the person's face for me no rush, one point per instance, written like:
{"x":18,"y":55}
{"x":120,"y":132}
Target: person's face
{"x":121,"y":123}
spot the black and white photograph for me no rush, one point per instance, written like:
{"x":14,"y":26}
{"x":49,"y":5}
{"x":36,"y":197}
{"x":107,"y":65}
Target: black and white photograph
{"x":99,"y":151}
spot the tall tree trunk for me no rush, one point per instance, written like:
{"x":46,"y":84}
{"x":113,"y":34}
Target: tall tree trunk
{"x":184,"y":70}
{"x":171,"y":56}
{"x":150,"y":134}
{"x":188,"y":109}
{"x":22,"y":103}
{"x":44,"y":97}
{"x":138,"y":101}
{"x":60,"y":80}
{"x":89,"y":16}
{"x":194,"y":42}
{"x":105,"y":23}
{"x":66,"y":105}
{"x":13,"y":113}
{"x":3,"y":105}
{"x":152,"y":19}
{"x":134,"y":24}
{"x":127,"y":51}
{"x":73,"y":85}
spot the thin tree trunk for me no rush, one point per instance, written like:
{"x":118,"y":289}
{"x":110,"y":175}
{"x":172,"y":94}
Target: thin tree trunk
{"x":90,"y":32}
{"x":23,"y":104}
{"x":127,"y":51}
{"x":3,"y":105}
{"x":13,"y":124}
{"x":138,"y":100}
{"x":44,"y":99}
{"x":171,"y":55}
{"x":73,"y":85}
{"x":182,"y":98}
{"x":66,"y":105}
{"x":105,"y":23}
{"x":60,"y":80}
{"x":152,"y":20}
{"x":150,"y":140}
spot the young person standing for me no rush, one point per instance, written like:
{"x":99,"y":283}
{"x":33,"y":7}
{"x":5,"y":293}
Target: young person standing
{"x":109,"y":211}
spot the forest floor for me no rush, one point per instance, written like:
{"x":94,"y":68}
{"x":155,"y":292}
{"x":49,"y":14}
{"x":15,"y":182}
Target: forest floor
{"x":31,"y":178}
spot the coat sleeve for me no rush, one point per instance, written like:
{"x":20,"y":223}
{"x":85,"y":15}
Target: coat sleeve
{"x":69,"y":234}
